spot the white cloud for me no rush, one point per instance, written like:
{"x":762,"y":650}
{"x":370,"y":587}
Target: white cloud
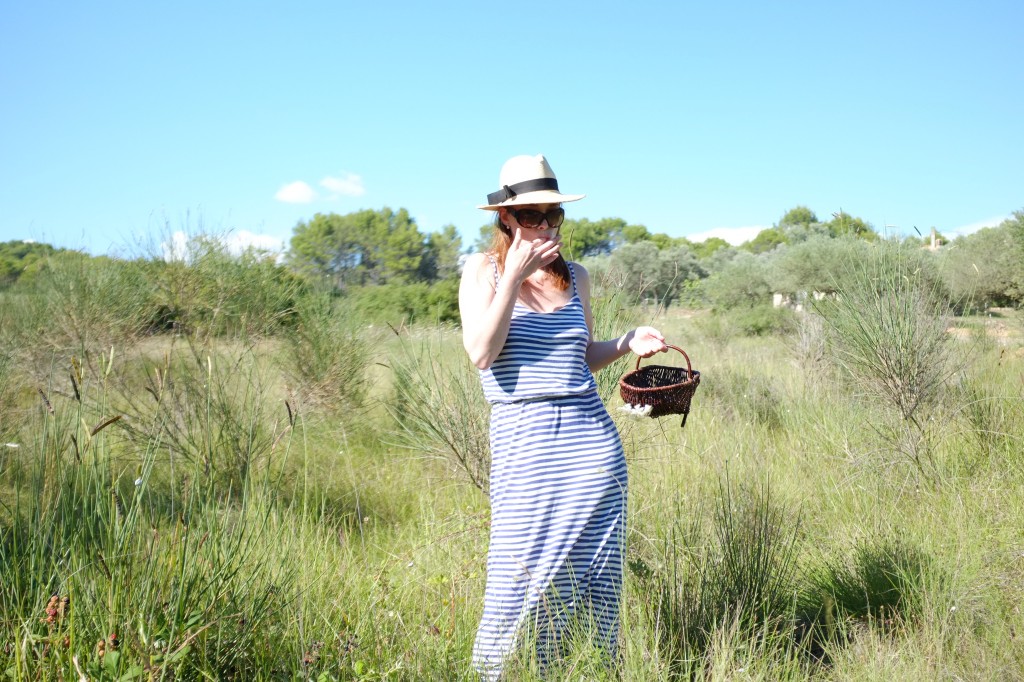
{"x":347,"y":185}
{"x":182,"y":247}
{"x":237,"y":242}
{"x":733,"y":235}
{"x":974,"y":227}
{"x":296,"y":192}
{"x":176,"y":248}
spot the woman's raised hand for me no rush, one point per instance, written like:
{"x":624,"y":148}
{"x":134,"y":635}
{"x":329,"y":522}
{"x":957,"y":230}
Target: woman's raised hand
{"x":526,"y":256}
{"x":647,"y":341}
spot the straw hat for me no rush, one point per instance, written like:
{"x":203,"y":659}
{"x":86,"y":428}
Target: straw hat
{"x":527,"y":180}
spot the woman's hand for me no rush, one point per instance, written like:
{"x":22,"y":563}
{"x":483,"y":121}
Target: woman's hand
{"x":647,"y":341}
{"x":526,"y":256}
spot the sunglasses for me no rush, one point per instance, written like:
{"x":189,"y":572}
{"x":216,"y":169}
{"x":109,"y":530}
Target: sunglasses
{"x":532,"y":218}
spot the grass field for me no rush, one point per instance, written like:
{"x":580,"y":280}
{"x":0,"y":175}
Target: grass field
{"x":206,"y":510}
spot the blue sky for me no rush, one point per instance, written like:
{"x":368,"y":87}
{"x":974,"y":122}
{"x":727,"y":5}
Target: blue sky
{"x":124,"y":122}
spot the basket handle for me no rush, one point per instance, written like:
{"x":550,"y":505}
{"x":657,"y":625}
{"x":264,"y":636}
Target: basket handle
{"x":689,"y":369}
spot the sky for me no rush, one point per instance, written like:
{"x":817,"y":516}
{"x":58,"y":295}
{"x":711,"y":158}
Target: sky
{"x":124,"y":123}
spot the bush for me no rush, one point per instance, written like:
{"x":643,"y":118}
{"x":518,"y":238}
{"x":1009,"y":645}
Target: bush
{"x":439,"y":408}
{"x":399,"y":304}
{"x":880,"y":582}
{"x":743,"y":282}
{"x":887,"y":328}
{"x":80,"y":304}
{"x":327,"y":354}
{"x":206,"y":291}
{"x":743,"y":575}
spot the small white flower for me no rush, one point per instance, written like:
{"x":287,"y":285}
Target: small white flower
{"x":138,"y":481}
{"x":410,"y":564}
{"x":13,"y":446}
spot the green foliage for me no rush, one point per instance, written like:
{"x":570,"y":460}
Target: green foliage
{"x":743,"y":281}
{"x":399,"y":304}
{"x":206,"y":291}
{"x":1015,"y":224}
{"x":80,"y":304}
{"x":210,"y":409}
{"x":843,"y":225}
{"x":583,"y":238}
{"x":709,"y":246}
{"x":327,"y":355}
{"x":986,"y":267}
{"x":439,"y":410}
{"x":635,"y":233}
{"x":815,"y":265}
{"x":759,"y":320}
{"x":645,"y":271}
{"x":879,"y":582}
{"x":798,"y":215}
{"x":365,"y":247}
{"x":745,"y":574}
{"x":441,"y":256}
{"x":614,"y":314}
{"x":751,"y":397}
{"x":887,"y":327}
{"x":18,"y":258}
{"x":765,"y":241}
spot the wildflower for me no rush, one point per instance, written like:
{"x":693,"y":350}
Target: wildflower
{"x":138,"y":481}
{"x":13,"y":446}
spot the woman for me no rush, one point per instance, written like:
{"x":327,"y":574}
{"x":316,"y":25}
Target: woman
{"x":558,"y":474}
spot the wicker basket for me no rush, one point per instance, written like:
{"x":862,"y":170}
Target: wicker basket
{"x":668,"y":390}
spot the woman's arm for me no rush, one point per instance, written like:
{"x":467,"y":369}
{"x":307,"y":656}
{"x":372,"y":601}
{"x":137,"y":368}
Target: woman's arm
{"x":644,"y":341}
{"x":486,"y":311}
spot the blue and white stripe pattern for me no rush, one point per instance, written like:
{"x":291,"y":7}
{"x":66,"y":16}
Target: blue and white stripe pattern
{"x":558,"y":493}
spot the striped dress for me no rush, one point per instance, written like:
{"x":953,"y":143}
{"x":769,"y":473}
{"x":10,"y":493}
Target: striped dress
{"x":557,"y":493}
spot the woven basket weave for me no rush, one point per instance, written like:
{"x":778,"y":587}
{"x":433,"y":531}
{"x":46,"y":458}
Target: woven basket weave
{"x":668,"y":390}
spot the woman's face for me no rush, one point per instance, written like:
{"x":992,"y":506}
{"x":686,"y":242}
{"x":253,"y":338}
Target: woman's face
{"x":535,"y":220}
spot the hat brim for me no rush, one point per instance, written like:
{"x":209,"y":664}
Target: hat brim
{"x":545,"y":196}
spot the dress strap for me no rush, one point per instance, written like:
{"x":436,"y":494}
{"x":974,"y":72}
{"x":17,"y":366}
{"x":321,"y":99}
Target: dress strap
{"x":494,"y":266}
{"x":572,"y":276}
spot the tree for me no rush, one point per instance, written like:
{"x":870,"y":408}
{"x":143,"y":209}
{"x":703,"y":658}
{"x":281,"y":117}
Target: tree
{"x":798,"y":215}
{"x":18,"y":257}
{"x":441,"y":256}
{"x":743,"y":282}
{"x":1015,"y":224}
{"x":709,"y":246}
{"x":635,"y":233}
{"x":584,"y":238}
{"x":359,"y":248}
{"x":843,"y":224}
{"x":765,"y":241}
{"x":817,"y":264}
{"x":986,"y":267}
{"x":647,"y":271}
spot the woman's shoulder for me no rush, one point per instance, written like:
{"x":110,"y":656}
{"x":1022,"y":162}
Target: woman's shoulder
{"x":579,"y":272}
{"x":479,"y":267}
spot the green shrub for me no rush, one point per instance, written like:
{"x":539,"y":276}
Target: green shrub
{"x":880,"y":582}
{"x":327,"y":352}
{"x":78,"y":304}
{"x":744,"y":575}
{"x":207,"y":291}
{"x":399,"y":304}
{"x":439,"y":408}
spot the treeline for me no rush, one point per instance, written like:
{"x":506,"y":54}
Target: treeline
{"x":379,"y":266}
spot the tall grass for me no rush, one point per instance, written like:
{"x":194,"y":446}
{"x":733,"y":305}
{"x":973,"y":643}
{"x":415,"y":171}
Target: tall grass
{"x":180,"y":509}
{"x":439,"y":407}
{"x":887,"y":327}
